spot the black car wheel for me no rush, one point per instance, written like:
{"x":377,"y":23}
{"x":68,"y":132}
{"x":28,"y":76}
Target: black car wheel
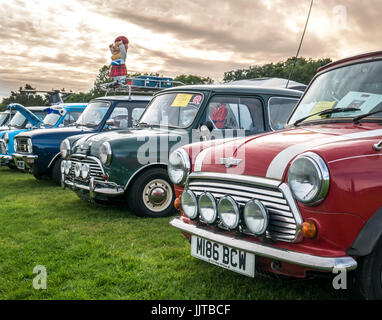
{"x":56,"y":172}
{"x":152,"y":194}
{"x":368,"y":276}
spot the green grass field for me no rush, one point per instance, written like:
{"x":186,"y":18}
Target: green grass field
{"x":97,"y":252}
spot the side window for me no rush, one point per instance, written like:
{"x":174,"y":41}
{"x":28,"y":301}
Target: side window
{"x":120,"y":115}
{"x":136,"y":115}
{"x":279,"y":111}
{"x":71,"y":117}
{"x":235,"y":113}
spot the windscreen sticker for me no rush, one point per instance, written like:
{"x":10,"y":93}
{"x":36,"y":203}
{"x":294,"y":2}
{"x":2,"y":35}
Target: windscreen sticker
{"x":181,"y":100}
{"x":321,"y":106}
{"x":362,"y":100}
{"x":197,"y":99}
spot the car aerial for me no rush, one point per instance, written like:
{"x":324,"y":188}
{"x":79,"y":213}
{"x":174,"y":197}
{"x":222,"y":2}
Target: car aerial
{"x":5,"y":117}
{"x":132,"y":164}
{"x":24,"y":119}
{"x":38,"y":151}
{"x":307,"y":199}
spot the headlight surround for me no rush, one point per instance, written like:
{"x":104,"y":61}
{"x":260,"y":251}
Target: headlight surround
{"x":256,"y":217}
{"x":189,"y":204}
{"x":207,"y":207}
{"x":6,"y":137}
{"x":229,"y":213}
{"x":15,"y":144}
{"x":309,"y":178}
{"x":105,"y":153}
{"x":65,"y":149}
{"x":179,"y":167}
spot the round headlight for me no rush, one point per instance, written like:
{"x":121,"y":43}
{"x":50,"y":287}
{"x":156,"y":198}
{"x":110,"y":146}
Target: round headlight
{"x":207,"y":207}
{"x":105,"y":153}
{"x":68,"y":166}
{"x":62,"y":166}
{"x":255,"y":217}
{"x":85,"y":169}
{"x":228,"y":211}
{"x":189,"y":204}
{"x":308,"y":178}
{"x":65,"y":149}
{"x":30,"y":146}
{"x":179,"y":166}
{"x":77,"y":170}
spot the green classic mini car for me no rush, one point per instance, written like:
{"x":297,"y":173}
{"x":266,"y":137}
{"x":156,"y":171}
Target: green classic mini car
{"x":131,"y":165}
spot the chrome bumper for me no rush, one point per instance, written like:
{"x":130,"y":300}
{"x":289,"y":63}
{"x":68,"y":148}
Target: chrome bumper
{"x":302,"y":259}
{"x":5,"y":159}
{"x":108,"y":189}
{"x":28,"y":159}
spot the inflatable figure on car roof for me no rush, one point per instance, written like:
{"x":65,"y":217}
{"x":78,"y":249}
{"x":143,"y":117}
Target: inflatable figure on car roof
{"x":118,"y":69}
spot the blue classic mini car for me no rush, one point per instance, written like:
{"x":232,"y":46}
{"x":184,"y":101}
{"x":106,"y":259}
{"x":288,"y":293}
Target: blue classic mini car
{"x":33,"y":118}
{"x":38,"y":151}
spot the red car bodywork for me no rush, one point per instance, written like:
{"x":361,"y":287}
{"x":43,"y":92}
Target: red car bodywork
{"x":355,"y":179}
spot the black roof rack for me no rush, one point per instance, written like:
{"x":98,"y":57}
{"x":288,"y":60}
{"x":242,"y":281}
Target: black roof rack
{"x":148,"y":85}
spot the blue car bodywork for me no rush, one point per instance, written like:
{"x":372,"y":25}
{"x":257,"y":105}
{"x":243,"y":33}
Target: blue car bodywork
{"x":27,"y":119}
{"x":44,"y":157}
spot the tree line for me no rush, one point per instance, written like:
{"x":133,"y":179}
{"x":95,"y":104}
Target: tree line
{"x":300,"y":69}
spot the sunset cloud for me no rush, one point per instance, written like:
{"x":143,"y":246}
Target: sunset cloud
{"x":62,"y":44}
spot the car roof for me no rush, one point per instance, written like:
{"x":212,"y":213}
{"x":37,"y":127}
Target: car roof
{"x":353,"y":59}
{"x":125,"y":98}
{"x":242,"y":89}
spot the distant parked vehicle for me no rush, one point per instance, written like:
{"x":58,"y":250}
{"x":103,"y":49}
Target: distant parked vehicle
{"x":38,"y":151}
{"x":42,"y":117}
{"x":5,"y":117}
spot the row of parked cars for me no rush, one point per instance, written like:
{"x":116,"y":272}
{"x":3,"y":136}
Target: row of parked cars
{"x":264,"y":182}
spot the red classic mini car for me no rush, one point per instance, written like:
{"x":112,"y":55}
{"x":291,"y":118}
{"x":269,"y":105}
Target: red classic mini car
{"x":300,"y":201}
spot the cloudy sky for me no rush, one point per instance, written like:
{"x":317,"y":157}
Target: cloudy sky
{"x":63,"y":43}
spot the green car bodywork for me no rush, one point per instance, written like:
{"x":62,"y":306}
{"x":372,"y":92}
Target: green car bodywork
{"x":131,"y":164}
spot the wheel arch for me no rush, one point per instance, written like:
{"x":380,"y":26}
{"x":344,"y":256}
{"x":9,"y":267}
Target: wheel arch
{"x":368,"y":237}
{"x":55,"y":158}
{"x":143,"y":170}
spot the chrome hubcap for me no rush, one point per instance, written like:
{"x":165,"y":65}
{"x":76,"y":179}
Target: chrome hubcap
{"x":157,"y":195}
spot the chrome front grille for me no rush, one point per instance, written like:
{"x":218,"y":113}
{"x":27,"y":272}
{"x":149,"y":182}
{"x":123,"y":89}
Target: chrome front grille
{"x":96,"y":170}
{"x":3,"y":147}
{"x":22,"y":145}
{"x":284,"y":218}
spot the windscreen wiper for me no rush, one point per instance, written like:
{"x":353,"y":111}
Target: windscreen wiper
{"x":358,"y":118}
{"x":325,"y":112}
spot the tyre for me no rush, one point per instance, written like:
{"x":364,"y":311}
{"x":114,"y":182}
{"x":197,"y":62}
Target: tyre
{"x":368,"y":275}
{"x":152,"y":194}
{"x":12,"y":166}
{"x":37,"y":175}
{"x":56,"y":172}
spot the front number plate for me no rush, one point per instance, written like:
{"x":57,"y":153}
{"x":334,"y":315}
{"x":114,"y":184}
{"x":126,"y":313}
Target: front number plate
{"x":223,"y":256}
{"x":20,"y":164}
